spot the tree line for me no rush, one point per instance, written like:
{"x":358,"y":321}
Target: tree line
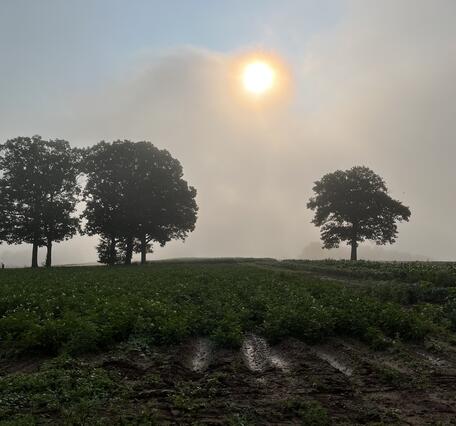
{"x":133,"y":193}
{"x":135,"y":196}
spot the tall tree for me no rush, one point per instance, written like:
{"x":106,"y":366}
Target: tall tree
{"x":40,"y":183}
{"x":135,"y":196}
{"x":354,"y":206}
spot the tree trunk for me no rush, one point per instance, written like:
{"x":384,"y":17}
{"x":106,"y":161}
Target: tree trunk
{"x":354,"y":240}
{"x":35,"y":255}
{"x":354,"y":250}
{"x":129,"y":251}
{"x":49,"y":253}
{"x":112,"y":252}
{"x":143,"y":250}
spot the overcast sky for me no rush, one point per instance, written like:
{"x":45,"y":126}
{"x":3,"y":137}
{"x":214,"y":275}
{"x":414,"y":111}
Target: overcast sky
{"x":371,"y":83}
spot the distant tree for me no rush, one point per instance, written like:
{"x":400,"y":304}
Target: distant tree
{"x":353,"y":206}
{"x":108,"y":250}
{"x":39,"y":182}
{"x":135,"y":196}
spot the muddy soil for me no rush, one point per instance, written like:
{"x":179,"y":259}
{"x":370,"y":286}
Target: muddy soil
{"x":198,"y":383}
{"x":264,"y":385}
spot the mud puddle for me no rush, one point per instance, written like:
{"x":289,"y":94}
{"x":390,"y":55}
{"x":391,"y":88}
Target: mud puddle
{"x":200,"y":352}
{"x":334,"y":362}
{"x":278,"y":361}
{"x":258,"y":355}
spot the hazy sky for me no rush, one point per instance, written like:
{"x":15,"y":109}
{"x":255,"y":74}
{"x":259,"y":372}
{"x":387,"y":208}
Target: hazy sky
{"x":371,"y":83}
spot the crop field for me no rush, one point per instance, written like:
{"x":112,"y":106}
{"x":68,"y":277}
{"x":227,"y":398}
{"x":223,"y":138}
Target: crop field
{"x":229,"y":341}
{"x":439,"y":273}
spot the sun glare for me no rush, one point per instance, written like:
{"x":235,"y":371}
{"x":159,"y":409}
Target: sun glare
{"x":258,"y":77}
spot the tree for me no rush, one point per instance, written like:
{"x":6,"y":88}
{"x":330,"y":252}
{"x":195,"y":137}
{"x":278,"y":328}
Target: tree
{"x":39,"y":183}
{"x":135,"y":196}
{"x":354,"y":206}
{"x":108,"y":251}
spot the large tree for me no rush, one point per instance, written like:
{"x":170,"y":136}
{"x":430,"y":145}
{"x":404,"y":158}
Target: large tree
{"x":354,"y":206}
{"x":39,"y":183}
{"x":135,"y":196}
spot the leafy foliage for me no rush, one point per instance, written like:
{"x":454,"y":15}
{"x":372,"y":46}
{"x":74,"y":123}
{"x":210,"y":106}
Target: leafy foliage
{"x":442,"y":274}
{"x":135,"y":195}
{"x":63,"y":385}
{"x":39,"y":192}
{"x":85,"y":309}
{"x":354,"y":206}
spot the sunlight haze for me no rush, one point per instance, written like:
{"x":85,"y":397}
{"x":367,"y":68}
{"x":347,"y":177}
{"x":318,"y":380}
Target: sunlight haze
{"x":367,"y":83}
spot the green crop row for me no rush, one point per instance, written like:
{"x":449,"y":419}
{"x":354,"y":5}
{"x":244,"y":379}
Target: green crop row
{"x":84,"y":309}
{"x":439,"y":273}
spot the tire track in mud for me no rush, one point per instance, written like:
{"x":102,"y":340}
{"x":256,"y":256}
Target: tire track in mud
{"x":198,"y":354}
{"x":278,"y":361}
{"x":343,"y":375}
{"x":406,"y":380}
{"x":255,"y":353}
{"x":202,"y":355}
{"x":334,"y":362}
{"x":354,"y":382}
{"x":258,"y":355}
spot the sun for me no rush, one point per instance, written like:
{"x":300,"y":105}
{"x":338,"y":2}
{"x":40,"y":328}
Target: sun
{"x":258,"y":77}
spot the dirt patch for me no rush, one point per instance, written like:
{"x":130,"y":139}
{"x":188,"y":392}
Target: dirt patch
{"x":437,"y":362}
{"x":127,"y":369}
{"x":22,"y":365}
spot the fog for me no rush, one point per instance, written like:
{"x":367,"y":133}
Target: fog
{"x":376,"y":89}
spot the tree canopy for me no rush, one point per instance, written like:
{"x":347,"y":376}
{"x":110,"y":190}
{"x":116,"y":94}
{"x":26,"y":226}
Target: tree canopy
{"x":354,"y":206}
{"x":39,"y":192}
{"x":135,"y":196}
